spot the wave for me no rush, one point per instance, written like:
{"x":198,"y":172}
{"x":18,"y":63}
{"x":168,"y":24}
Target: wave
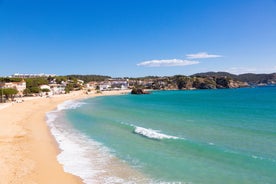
{"x":70,"y":104}
{"x":80,"y":155}
{"x":263,"y":158}
{"x":153,"y":134}
{"x":74,"y":147}
{"x":156,"y":134}
{"x":150,"y":133}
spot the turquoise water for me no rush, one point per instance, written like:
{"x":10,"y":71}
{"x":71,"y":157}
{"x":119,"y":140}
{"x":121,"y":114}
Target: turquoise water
{"x":201,"y":136}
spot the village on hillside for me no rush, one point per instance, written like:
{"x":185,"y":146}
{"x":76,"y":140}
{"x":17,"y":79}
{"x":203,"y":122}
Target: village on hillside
{"x":17,"y":86}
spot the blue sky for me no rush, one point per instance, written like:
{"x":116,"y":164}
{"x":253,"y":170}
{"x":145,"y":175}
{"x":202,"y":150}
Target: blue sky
{"x":137,"y":37}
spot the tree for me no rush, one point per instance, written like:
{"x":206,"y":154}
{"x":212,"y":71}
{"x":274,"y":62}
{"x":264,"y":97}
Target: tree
{"x":10,"y":79}
{"x":35,"y":89}
{"x":27,"y":91}
{"x":9,"y":92}
{"x":36,"y":82}
{"x":45,"y":90}
{"x":1,"y":94}
{"x":60,"y":79}
{"x":69,"y":87}
{"x":88,"y":78}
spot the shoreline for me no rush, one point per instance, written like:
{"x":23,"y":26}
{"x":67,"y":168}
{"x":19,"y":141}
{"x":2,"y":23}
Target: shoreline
{"x":28,"y":150}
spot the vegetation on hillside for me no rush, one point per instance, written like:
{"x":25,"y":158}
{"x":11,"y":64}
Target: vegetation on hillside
{"x":252,"y":79}
{"x":32,"y":84}
{"x":7,"y":79}
{"x":88,"y":78}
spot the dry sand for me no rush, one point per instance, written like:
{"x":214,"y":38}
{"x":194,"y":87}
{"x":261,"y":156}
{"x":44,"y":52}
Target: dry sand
{"x":27,"y":149}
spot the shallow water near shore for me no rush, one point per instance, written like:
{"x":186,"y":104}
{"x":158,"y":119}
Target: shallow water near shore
{"x":201,"y":136}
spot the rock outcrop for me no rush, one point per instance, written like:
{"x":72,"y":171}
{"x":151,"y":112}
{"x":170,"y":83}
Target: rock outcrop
{"x":138,"y":91}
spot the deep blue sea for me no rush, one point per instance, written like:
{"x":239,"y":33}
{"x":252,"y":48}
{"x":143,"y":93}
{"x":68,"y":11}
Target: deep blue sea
{"x":189,"y":137}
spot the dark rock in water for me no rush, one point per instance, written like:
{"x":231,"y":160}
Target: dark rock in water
{"x":138,"y":91}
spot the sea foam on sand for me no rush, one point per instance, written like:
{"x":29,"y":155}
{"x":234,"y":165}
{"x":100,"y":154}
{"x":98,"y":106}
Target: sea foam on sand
{"x":80,"y":155}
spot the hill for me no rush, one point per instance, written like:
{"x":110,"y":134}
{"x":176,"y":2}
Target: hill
{"x":250,"y":78}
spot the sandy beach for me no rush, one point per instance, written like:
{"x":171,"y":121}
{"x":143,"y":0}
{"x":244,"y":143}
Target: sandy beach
{"x":28,"y":151}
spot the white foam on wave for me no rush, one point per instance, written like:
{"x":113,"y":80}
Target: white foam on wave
{"x":255,"y":157}
{"x":153,"y":134}
{"x":262,"y":158}
{"x":75,"y":148}
{"x":80,"y":155}
{"x":70,"y":104}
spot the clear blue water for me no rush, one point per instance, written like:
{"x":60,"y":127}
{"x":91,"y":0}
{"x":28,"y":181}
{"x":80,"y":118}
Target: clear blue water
{"x":200,"y":136}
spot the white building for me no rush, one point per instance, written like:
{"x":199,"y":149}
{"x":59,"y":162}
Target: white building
{"x":91,"y":85}
{"x":57,"y":89}
{"x":48,"y":92}
{"x":119,"y":84}
{"x":18,"y":75}
{"x":105,"y":87}
{"x":45,"y":87}
{"x":20,"y":86}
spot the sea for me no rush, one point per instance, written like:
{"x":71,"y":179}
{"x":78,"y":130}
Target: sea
{"x":170,"y":137}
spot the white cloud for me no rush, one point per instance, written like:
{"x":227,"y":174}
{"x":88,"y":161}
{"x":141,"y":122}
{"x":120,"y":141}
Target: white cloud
{"x":202,"y":55}
{"x":166,"y":63}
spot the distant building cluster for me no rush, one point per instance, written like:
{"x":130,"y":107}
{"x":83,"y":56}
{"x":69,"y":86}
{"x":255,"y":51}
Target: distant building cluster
{"x":18,"y":75}
{"x":110,"y":84}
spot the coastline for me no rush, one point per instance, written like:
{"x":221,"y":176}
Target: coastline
{"x":28,"y":150}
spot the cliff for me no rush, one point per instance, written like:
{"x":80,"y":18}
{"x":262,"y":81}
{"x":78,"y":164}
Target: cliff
{"x":207,"y":82}
{"x":249,"y":78}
